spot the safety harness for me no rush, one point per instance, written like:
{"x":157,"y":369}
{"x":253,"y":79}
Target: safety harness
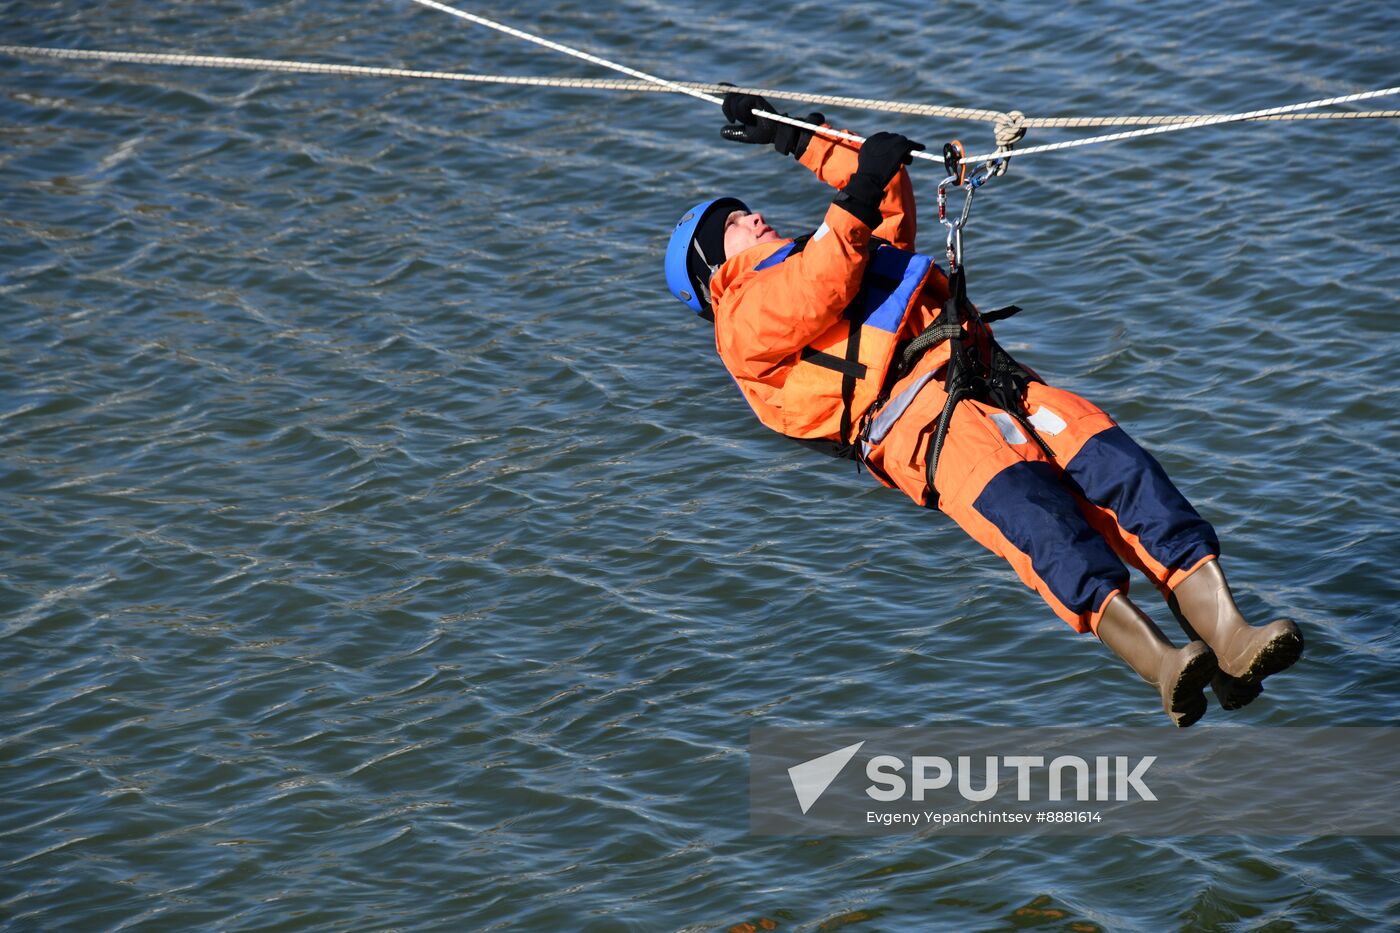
{"x":978,"y":367}
{"x":985,"y":373}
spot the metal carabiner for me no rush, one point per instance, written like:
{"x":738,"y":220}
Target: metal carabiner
{"x":989,"y":169}
{"x":958,"y":176}
{"x":955,"y":227}
{"x":955,"y":164}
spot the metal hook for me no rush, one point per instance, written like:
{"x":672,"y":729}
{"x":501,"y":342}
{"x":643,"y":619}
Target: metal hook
{"x":956,"y":166}
{"x":954,"y":240}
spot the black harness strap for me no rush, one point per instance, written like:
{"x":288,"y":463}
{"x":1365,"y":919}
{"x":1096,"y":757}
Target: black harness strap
{"x":958,"y":383}
{"x":1000,"y":381}
{"x":1000,"y":314}
{"x":851,"y":369}
{"x":848,"y":378}
{"x":848,"y":365}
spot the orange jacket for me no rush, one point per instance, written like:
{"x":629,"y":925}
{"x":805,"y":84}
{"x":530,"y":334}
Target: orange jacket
{"x":778,"y":328}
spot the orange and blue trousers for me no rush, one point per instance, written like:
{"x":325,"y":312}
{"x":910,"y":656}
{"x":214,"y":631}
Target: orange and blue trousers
{"x":1068,"y":525}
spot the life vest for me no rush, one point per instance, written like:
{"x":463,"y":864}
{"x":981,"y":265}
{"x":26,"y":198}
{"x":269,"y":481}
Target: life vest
{"x":841,"y":373}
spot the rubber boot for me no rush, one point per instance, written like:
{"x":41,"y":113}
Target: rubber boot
{"x":1248,"y":653}
{"x":1180,"y":674}
{"x":1230,"y":692}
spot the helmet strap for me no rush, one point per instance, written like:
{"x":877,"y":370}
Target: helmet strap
{"x":703,"y":293}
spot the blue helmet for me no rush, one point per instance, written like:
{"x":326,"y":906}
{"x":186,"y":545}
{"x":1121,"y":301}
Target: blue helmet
{"x":688,"y":269}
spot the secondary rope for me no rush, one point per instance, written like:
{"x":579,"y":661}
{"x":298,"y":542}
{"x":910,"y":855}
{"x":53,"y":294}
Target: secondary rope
{"x":594,"y":59}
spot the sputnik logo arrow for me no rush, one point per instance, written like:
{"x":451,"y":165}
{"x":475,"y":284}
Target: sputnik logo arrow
{"x":811,"y":778}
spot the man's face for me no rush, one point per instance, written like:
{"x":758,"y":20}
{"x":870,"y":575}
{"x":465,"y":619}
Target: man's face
{"x":742,"y":230}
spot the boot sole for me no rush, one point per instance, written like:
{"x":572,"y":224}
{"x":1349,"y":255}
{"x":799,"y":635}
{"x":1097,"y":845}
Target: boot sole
{"x":1187,"y":702}
{"x":1278,"y":654}
{"x":1233,"y":693}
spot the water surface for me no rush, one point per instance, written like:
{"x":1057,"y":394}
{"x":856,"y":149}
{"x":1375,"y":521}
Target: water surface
{"x":383,"y":548}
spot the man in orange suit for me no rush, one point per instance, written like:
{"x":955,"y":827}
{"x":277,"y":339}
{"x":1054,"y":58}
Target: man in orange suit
{"x":851,"y":341}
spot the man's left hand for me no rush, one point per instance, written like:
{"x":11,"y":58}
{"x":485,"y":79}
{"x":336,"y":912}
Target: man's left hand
{"x":746,"y":127}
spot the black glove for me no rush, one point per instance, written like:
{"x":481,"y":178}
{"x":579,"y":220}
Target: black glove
{"x":746,"y":128}
{"x":881,"y":156}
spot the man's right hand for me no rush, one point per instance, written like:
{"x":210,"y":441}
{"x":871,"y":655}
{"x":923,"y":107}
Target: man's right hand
{"x":882,"y":154}
{"x":880,"y":158}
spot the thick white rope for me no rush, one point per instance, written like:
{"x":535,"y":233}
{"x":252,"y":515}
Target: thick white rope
{"x":1190,"y":124}
{"x":1010,"y":127}
{"x":621,"y":85}
{"x":597,"y":84}
{"x":1004,"y":141}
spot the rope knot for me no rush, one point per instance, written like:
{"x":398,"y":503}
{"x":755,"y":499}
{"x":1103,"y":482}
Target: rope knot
{"x":1010,"y":130}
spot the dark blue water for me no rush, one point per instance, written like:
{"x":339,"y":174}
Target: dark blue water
{"x":383,"y":548}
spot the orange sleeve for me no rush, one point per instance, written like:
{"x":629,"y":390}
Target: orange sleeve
{"x":773,"y":314}
{"x":834,"y":162}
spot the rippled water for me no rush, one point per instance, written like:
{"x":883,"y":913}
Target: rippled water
{"x":385,"y":549}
